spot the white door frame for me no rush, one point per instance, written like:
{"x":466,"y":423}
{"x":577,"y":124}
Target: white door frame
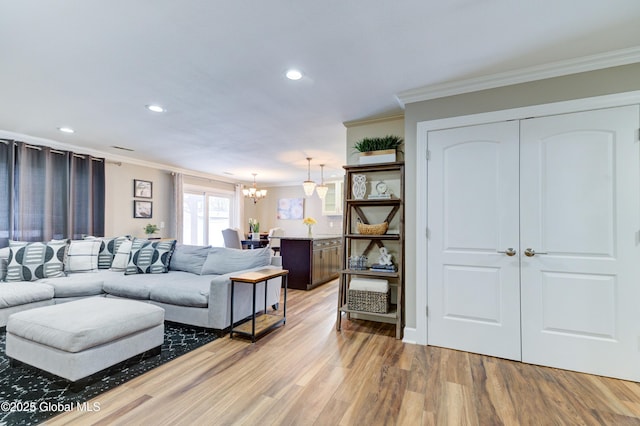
{"x":419,"y":334}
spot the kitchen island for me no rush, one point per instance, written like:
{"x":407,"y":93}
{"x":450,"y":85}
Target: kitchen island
{"x":311,"y":261}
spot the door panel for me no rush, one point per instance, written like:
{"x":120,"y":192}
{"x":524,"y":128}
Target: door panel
{"x":576,"y":171}
{"x":473,"y":292}
{"x":579,"y":206}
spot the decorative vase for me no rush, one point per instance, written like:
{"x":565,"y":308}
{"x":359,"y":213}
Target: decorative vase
{"x":359,"y":187}
{"x":309,"y":233}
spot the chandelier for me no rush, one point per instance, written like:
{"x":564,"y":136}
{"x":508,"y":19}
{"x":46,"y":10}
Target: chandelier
{"x":253,"y":192}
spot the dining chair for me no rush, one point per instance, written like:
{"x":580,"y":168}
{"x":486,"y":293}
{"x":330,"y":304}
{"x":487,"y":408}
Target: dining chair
{"x":275,"y":242}
{"x":232,"y":238}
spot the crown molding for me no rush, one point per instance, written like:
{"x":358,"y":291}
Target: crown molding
{"x":371,"y":120}
{"x":524,"y":75}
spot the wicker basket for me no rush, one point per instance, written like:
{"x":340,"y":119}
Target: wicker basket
{"x":368,"y":301}
{"x":377,"y":229}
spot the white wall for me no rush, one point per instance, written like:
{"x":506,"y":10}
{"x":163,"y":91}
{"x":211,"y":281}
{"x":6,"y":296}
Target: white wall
{"x":119,"y":200}
{"x":265,"y":211}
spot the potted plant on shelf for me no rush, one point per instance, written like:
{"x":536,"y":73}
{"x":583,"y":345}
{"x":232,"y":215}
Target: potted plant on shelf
{"x":378,"y":149}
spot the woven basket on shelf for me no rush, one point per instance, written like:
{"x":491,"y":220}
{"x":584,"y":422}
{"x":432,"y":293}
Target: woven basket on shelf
{"x":376,"y":229}
{"x":368,"y":301}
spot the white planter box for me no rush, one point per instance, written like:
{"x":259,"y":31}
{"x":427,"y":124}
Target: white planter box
{"x":372,"y":157}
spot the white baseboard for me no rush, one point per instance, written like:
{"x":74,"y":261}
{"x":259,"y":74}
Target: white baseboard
{"x":410,"y":336}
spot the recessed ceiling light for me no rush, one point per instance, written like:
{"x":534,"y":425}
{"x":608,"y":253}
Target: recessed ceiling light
{"x":66,"y":129}
{"x":294,"y":75}
{"x":155,"y":108}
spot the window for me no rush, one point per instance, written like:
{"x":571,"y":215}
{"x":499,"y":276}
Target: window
{"x":205,"y":215}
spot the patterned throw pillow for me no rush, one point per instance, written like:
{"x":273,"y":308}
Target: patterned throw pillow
{"x":4,"y":255}
{"x":32,"y":261}
{"x":149,"y":257}
{"x":108,"y":250}
{"x":82,"y":256}
{"x":121,"y":259}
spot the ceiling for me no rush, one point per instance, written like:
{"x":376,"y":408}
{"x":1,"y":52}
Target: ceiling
{"x":218,"y":68}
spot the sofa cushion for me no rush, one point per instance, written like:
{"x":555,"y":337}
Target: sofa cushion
{"x":133,"y":287}
{"x":188,"y":258}
{"x":79,"y":284}
{"x":108,"y":249}
{"x":121,"y":258}
{"x":82,"y":256}
{"x":182,"y":289}
{"x":221,"y":260}
{"x":149,"y":257}
{"x":16,"y":294}
{"x":103,"y":321}
{"x":32,"y":261}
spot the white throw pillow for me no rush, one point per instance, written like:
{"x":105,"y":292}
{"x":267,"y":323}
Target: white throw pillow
{"x":121,"y":258}
{"x":82,"y":256}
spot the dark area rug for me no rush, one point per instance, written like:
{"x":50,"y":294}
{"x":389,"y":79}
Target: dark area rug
{"x":24,"y":390}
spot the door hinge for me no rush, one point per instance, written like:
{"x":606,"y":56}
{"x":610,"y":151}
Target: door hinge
{"x":428,"y":155}
{"x":426,"y":311}
{"x":427,"y":233}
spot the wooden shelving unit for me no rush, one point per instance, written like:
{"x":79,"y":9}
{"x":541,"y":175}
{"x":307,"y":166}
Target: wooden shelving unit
{"x":372,"y":211}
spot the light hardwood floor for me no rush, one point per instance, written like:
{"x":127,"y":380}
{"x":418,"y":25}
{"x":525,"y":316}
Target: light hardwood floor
{"x":307,"y":373}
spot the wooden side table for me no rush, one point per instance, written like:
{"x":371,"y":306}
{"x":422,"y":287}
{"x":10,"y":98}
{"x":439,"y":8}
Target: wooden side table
{"x":259,"y":325}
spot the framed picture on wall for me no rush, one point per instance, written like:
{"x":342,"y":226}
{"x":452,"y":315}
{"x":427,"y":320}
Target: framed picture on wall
{"x":290,"y":208}
{"x":142,"y":209}
{"x":142,"y":188}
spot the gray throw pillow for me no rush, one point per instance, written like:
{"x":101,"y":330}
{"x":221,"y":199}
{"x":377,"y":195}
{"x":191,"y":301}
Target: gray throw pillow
{"x":188,"y":258}
{"x":221,"y":260}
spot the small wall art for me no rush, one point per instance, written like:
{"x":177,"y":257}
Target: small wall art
{"x":290,"y":208}
{"x":142,"y":188}
{"x":142,"y":209}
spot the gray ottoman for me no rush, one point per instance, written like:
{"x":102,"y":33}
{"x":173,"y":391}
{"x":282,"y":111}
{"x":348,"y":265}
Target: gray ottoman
{"x":76,"y":339}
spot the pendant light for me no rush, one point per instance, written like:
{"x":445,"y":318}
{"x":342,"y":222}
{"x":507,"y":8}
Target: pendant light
{"x":322,"y":188}
{"x":308,"y":184}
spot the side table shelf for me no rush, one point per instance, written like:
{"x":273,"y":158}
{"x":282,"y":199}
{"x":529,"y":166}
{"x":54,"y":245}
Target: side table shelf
{"x":266,"y":321}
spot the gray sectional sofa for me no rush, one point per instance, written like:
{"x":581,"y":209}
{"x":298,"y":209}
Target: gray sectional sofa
{"x":191,"y":283}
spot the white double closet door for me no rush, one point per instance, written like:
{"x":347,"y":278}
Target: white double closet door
{"x":533,"y":248}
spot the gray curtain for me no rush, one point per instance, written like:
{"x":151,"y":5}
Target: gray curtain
{"x":6,"y":183}
{"x":178,"y":206}
{"x":87,"y":196}
{"x":49,"y":194}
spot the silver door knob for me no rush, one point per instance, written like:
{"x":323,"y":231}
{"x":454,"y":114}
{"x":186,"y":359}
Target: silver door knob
{"x":509,"y":252}
{"x":531,"y":252}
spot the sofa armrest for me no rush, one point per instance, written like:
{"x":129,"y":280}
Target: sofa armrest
{"x":220,"y":297}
